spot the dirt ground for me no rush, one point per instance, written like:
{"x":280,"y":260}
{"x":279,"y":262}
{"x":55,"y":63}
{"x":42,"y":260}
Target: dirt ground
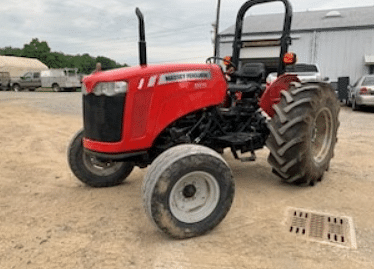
{"x":48,"y":219}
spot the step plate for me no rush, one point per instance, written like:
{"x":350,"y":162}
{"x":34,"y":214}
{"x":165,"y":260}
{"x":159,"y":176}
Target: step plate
{"x":241,"y":139}
{"x":321,"y":227}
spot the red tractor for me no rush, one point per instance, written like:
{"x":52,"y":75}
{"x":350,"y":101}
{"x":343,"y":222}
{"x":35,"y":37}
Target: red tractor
{"x":179,"y":118}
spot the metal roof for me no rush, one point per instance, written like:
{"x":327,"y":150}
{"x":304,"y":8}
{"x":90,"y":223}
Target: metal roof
{"x":17,"y":66}
{"x":358,"y":17}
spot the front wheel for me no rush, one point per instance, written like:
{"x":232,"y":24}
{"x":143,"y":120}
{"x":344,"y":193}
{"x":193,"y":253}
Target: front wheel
{"x":303,"y":133}
{"x":188,"y":190}
{"x":56,"y":87}
{"x":16,"y":88}
{"x":93,"y":171}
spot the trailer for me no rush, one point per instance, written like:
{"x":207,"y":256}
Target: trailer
{"x":4,"y":81}
{"x":64,"y":79}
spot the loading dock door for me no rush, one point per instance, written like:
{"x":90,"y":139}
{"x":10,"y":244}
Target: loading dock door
{"x":343,"y":83}
{"x":266,"y":55}
{"x":369,"y":61}
{"x":271,"y":64}
{"x":259,"y":52}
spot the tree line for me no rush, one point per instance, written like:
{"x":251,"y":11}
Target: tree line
{"x":40,"y":50}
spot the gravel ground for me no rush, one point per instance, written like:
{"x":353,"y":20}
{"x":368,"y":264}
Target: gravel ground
{"x":48,"y":219}
{"x":54,"y":102}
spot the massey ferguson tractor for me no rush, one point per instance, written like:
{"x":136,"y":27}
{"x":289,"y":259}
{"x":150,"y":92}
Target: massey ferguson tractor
{"x":179,"y":118}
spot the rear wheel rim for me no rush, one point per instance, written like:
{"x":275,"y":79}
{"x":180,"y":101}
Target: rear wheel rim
{"x":100,"y":168}
{"x":321,"y":135}
{"x":194,"y":197}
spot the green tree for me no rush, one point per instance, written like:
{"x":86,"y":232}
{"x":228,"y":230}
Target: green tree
{"x":36,"y":49}
{"x":106,"y":63}
{"x":54,"y":60}
{"x":9,"y":51}
{"x":85,"y":63}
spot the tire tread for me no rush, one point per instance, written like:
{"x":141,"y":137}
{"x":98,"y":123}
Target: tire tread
{"x":286,"y":142}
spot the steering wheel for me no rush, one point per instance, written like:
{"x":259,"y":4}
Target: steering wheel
{"x":210,"y":59}
{"x":227,"y":61}
{"x":230,"y":66}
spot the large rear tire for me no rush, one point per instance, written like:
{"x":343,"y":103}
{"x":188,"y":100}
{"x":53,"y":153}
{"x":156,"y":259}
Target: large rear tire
{"x":303,"y":133}
{"x":188,"y":190}
{"x":93,"y":171}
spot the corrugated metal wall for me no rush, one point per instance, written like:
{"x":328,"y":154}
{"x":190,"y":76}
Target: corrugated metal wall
{"x":338,"y":53}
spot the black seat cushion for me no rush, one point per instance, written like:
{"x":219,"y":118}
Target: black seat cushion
{"x":251,"y":72}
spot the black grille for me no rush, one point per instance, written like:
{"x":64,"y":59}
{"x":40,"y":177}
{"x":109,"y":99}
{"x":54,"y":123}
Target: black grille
{"x":103,"y":117}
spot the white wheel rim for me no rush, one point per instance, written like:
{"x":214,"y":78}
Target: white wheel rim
{"x":100,"y":168}
{"x":194,"y":197}
{"x":322,"y":135}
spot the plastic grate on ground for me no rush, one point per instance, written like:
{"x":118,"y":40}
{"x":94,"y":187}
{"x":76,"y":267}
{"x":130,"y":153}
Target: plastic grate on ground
{"x":321,"y":227}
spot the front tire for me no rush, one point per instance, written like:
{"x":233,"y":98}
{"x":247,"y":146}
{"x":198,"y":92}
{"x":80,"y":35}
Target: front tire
{"x":93,"y":171}
{"x":303,"y":133}
{"x":188,"y":190}
{"x":16,"y":88}
{"x":56,"y":87}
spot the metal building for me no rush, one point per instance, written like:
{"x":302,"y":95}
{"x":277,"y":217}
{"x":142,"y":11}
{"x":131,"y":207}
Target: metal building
{"x":340,"y":41}
{"x":17,"y":66}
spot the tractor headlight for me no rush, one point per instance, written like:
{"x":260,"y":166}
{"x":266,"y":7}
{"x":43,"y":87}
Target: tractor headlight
{"x":110,"y":88}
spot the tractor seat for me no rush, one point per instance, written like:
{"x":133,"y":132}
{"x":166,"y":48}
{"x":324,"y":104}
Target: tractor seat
{"x":251,"y":72}
{"x":249,"y":79}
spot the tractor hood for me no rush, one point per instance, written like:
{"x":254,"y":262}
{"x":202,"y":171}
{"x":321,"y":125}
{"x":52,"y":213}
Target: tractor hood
{"x":154,"y":74}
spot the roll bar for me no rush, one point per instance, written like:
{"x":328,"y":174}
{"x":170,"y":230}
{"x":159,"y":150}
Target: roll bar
{"x":285,"y":40}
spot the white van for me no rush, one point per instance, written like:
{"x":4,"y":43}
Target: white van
{"x":65,"y":79}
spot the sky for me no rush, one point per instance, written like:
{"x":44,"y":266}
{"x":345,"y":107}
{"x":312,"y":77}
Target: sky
{"x":176,"y":30}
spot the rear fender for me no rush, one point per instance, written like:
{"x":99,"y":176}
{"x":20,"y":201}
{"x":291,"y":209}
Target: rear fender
{"x":272,"y":94}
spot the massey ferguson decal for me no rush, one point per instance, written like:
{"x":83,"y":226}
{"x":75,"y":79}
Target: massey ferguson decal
{"x":184,"y":76}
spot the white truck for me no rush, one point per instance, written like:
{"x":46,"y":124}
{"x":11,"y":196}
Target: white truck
{"x":305,"y":72}
{"x":64,"y":79}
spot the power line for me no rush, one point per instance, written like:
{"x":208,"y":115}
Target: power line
{"x":133,"y":38}
{"x":180,"y":59}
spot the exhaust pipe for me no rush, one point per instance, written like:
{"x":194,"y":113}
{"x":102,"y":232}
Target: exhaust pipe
{"x":142,"y":43}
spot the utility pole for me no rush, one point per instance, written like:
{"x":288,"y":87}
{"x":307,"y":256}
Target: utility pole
{"x":216,"y":40}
